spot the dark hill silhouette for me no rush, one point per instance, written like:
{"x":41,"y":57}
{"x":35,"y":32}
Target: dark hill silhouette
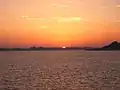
{"x":112,"y":46}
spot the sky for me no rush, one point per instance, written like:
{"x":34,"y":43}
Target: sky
{"x":25,"y":23}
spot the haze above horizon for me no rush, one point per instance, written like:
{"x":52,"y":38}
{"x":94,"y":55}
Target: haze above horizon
{"x":25,"y":23}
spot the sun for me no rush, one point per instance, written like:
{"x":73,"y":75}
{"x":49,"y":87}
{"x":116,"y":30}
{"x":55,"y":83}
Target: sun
{"x":63,"y":46}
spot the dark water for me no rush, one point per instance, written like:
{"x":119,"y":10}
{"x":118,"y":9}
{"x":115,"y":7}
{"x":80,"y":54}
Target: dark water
{"x":60,"y":70}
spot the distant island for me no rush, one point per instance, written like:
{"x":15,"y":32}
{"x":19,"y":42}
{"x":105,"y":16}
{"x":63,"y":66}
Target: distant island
{"x":40,"y":48}
{"x":112,"y":46}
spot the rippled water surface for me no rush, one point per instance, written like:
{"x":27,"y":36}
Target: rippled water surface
{"x":60,"y":70}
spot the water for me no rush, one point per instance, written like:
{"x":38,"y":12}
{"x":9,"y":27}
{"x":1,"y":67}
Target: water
{"x":60,"y":70}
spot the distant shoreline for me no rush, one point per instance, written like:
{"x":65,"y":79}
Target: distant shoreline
{"x":42,"y":49}
{"x":114,"y":46}
{"x":57,"y":49}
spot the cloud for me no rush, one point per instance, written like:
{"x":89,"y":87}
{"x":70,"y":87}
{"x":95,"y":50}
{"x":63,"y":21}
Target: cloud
{"x":67,"y":19}
{"x":57,"y":19}
{"x":59,"y":5}
{"x":53,"y":4}
{"x":25,"y":17}
{"x":118,"y":6}
{"x":32,"y":18}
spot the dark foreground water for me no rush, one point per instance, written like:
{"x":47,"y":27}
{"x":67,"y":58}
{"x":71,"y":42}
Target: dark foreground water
{"x":60,"y":70}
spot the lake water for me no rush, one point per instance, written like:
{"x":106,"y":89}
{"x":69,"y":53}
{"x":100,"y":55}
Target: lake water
{"x":60,"y":70}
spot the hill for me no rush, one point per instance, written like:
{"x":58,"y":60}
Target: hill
{"x":112,"y":46}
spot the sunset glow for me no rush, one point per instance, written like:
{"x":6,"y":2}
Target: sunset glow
{"x":63,"y":47}
{"x":25,"y":23}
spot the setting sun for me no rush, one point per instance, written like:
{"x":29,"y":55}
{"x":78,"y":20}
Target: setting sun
{"x":63,"y":47}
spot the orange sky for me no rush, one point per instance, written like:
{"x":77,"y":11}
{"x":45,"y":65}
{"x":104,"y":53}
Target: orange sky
{"x":25,"y":23}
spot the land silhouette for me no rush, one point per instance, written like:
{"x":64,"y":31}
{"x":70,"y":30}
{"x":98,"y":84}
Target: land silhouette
{"x":115,"y":45}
